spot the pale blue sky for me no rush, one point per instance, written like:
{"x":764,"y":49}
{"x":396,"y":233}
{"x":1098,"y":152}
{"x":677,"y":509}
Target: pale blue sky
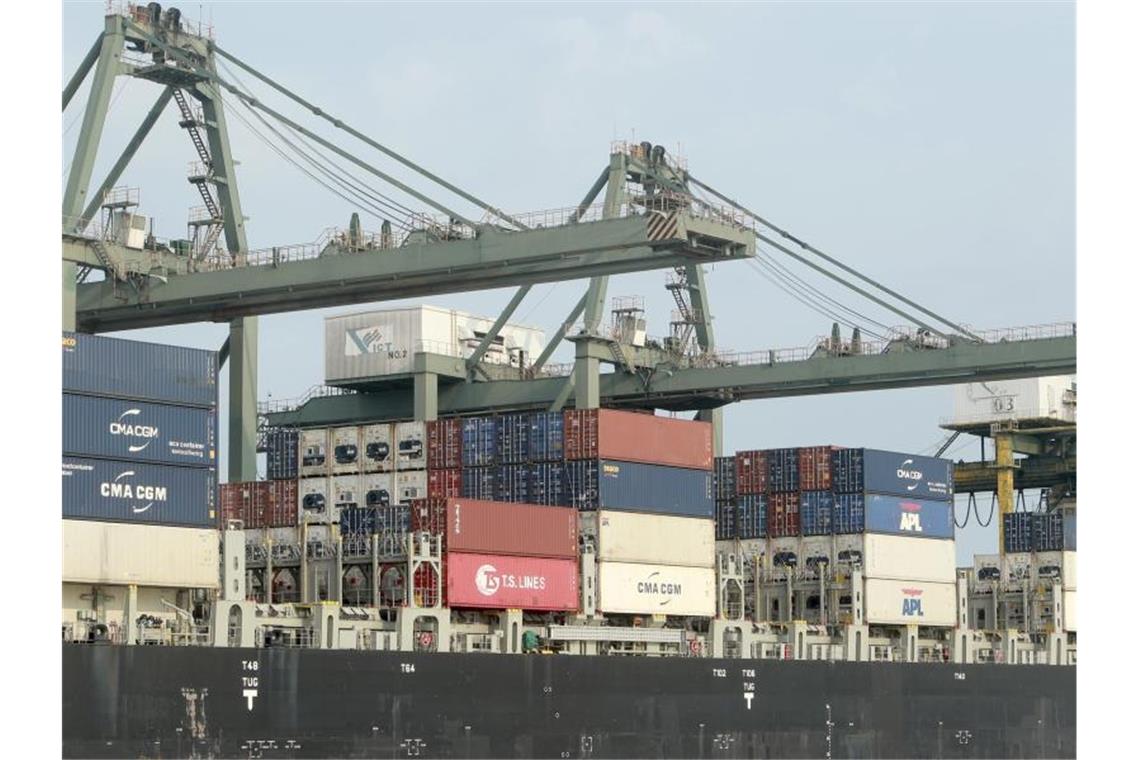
{"x":930,"y":145}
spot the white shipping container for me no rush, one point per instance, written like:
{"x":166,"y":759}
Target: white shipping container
{"x":376,"y":450}
{"x":1017,"y":567}
{"x":346,"y":491}
{"x":815,"y":547}
{"x":639,"y":589}
{"x":908,"y":558}
{"x":1046,"y":564}
{"x":345,"y":449}
{"x":779,"y":550}
{"x":1069,"y":610}
{"x":986,"y":566}
{"x":411,"y":485}
{"x":1044,"y":398}
{"x":314,"y":450}
{"x":143,"y":555}
{"x":411,"y":445}
{"x":376,"y":489}
{"x":656,"y":539}
{"x":849,"y":550}
{"x":377,"y":344}
{"x":313,"y":497}
{"x":891,"y":602}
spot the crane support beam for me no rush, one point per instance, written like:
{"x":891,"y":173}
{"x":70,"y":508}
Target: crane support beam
{"x":81,"y":72}
{"x":494,"y":259}
{"x":710,"y":387}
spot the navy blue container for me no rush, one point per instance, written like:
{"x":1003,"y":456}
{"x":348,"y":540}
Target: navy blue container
{"x":1070,"y":520}
{"x":905,"y":516}
{"x":281,"y":454}
{"x":393,"y":519}
{"x":725,"y":520}
{"x":888,"y":472}
{"x":636,"y":487}
{"x":139,"y":431}
{"x":848,"y":514}
{"x":512,"y":434}
{"x":752,"y":515}
{"x":1017,"y":532}
{"x":724,"y":478}
{"x":546,"y":484}
{"x":357,"y":521}
{"x":783,"y":470}
{"x":106,"y":489}
{"x":816,"y":508}
{"x":102,"y":366}
{"x":512,"y":483}
{"x":1054,"y":531}
{"x":478,"y":483}
{"x":546,"y":438}
{"x":478,"y":442}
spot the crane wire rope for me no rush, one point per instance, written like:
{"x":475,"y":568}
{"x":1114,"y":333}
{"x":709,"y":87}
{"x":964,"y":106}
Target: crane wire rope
{"x":969,"y":503}
{"x":990,"y":519}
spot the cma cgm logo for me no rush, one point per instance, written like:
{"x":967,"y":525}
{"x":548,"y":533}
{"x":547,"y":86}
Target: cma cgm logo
{"x":365,"y":340}
{"x":127,"y":425}
{"x":912,"y":602}
{"x":119,"y":488}
{"x":910,"y":517}
{"x":906,"y":472}
{"x":653,"y":586}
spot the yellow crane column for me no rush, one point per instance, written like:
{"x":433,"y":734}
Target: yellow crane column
{"x":1004,"y":464}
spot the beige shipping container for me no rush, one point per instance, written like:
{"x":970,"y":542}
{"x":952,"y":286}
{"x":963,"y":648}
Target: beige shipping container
{"x":411,"y":485}
{"x":1017,"y":567}
{"x":313,"y":498}
{"x":377,"y":489}
{"x":891,"y":602}
{"x":314,"y":452}
{"x":1069,"y":610}
{"x":908,"y":558}
{"x":377,"y":453}
{"x":1046,"y":564}
{"x":410,"y":445}
{"x":142,"y":555}
{"x":344,"y":449}
{"x":640,"y":589}
{"x":346,"y":491}
{"x":655,"y":539}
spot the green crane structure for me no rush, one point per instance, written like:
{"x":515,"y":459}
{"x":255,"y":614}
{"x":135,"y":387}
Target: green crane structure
{"x":653,"y":214}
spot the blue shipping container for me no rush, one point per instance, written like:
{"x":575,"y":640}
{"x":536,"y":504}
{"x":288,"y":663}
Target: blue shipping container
{"x":105,"y":489}
{"x":724,"y":477}
{"x":281,"y":454}
{"x":848,"y":513}
{"x":478,"y":442}
{"x":511,"y":483}
{"x":783,"y":470}
{"x":139,"y":431}
{"x":752,"y":515}
{"x":725,"y":520}
{"x":888,"y":472}
{"x":1017,"y":532}
{"x":816,"y":508}
{"x":1054,"y":531}
{"x":546,"y":437}
{"x":905,"y":516}
{"x":102,"y":366}
{"x":512,"y":434}
{"x":357,"y":521}
{"x":393,"y":519}
{"x":547,"y":484}
{"x":636,"y":487}
{"x":478,"y":483}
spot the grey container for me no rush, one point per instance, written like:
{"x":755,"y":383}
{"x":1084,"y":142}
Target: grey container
{"x":106,"y":489}
{"x":102,"y":366}
{"x":637,"y":487}
{"x":139,"y":431}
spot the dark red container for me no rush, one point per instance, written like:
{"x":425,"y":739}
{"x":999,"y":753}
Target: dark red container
{"x":815,"y":468}
{"x":634,"y":437}
{"x":751,"y":472}
{"x":428,"y":516}
{"x":280,"y":507}
{"x":235,"y":502}
{"x":526,"y":530}
{"x":444,"y":444}
{"x":260,"y":504}
{"x":783,"y":515}
{"x":444,"y":483}
{"x":508,"y":582}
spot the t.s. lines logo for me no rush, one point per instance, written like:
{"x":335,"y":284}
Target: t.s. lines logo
{"x":128,"y":425}
{"x":487,"y":580}
{"x":906,"y":471}
{"x":912,"y":602}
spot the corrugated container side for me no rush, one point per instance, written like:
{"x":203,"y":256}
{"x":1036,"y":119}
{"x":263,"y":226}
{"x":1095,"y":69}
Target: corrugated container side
{"x":1054,"y":532}
{"x":478,"y":442}
{"x":546,"y":436}
{"x":909,"y":517}
{"x":346,"y":455}
{"x":512,"y":582}
{"x":314,"y":452}
{"x":894,"y":602}
{"x":102,"y":366}
{"x":783,"y":471}
{"x":1056,"y":564}
{"x":656,"y":589}
{"x":479,"y":483}
{"x":890,"y":472}
{"x":493,"y":527}
{"x":445,"y":444}
{"x":236,"y":502}
{"x":816,"y":509}
{"x":281,"y":455}
{"x":655,"y":539}
{"x":850,"y":513}
{"x":357,"y":521}
{"x":512,"y":438}
{"x":726,"y":520}
{"x":751,"y":472}
{"x":752,"y":513}
{"x":639,"y":487}
{"x":144,"y":555}
{"x":783,"y":514}
{"x":906,"y":558}
{"x":815,"y":468}
{"x":346,"y":491}
{"x":313,"y":497}
{"x":393,"y":519}
{"x":114,"y":491}
{"x":411,"y":485}
{"x":724,"y":478}
{"x":280,"y":509}
{"x":377,"y":489}
{"x":632,"y":437}
{"x":411,"y":445}
{"x":429,"y":516}
{"x":1070,"y":528}
{"x":1017,"y":532}
{"x":512,"y":483}
{"x":546,"y":484}
{"x":444,"y":483}
{"x":139,"y":431}
{"x":377,"y":448}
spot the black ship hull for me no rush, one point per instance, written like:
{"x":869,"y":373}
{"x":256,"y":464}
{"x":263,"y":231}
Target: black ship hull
{"x":197,"y":702}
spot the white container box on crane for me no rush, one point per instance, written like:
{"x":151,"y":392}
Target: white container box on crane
{"x":1038,"y":398}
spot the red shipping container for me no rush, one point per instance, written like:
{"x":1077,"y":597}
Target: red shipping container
{"x":751,"y":472}
{"x":783,"y":515}
{"x":280,"y":508}
{"x":428,"y":516}
{"x":236,"y":502}
{"x":444,"y":444}
{"x":495,"y":527}
{"x":815,"y":468}
{"x":634,"y":437}
{"x":444,"y":483}
{"x":500,"y":582}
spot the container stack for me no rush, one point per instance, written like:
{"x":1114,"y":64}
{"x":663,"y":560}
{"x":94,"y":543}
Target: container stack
{"x":514,"y":458}
{"x":724,"y":489}
{"x":139,"y":462}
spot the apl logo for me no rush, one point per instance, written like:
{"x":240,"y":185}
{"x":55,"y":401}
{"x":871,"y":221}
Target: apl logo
{"x":905,"y":473}
{"x":910,"y":517}
{"x":912,"y":602}
{"x":365,"y":340}
{"x":487,"y":580}
{"x":131,"y":429}
{"x":117,"y":489}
